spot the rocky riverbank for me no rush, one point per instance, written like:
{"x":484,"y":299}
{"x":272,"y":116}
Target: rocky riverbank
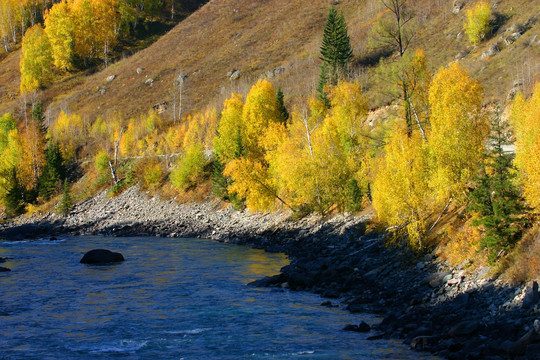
{"x":452,"y":312}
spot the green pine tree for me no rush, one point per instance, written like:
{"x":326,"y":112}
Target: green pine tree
{"x":353,"y":193}
{"x":284,"y":114}
{"x":66,"y":203}
{"x":37,"y":115}
{"x":321,"y":94}
{"x":53,"y":172}
{"x":496,"y":199}
{"x":14,"y":199}
{"x":336,"y":49}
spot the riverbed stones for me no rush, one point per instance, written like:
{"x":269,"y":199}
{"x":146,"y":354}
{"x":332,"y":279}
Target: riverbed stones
{"x":362,"y":327}
{"x":101,"y":256}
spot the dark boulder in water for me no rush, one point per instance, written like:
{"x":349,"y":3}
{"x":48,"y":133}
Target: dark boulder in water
{"x":101,"y":256}
{"x":4,"y":269}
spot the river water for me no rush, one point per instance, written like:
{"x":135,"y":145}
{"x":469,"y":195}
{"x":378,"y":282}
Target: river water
{"x":170,"y":299}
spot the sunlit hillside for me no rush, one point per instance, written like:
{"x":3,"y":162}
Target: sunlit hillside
{"x":280,"y":40}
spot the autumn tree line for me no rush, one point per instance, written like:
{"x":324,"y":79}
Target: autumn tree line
{"x":441,"y":149}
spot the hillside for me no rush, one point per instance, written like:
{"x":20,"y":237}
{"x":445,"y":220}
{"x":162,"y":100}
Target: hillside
{"x":280,"y":40}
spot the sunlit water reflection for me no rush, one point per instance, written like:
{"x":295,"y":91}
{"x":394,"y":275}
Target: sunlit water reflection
{"x":170,"y":299}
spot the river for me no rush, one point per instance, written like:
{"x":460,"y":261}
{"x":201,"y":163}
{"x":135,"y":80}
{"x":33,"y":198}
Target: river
{"x":170,"y":299}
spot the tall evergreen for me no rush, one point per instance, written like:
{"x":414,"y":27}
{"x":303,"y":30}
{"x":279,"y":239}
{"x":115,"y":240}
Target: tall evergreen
{"x":66,"y":203}
{"x":14,"y":198}
{"x":336,"y":49}
{"x":496,"y":199}
{"x":37,"y":115}
{"x":284,"y":114}
{"x":53,"y":172}
{"x":321,"y":94}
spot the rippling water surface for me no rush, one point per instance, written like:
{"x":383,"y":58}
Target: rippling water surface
{"x":170,"y":299}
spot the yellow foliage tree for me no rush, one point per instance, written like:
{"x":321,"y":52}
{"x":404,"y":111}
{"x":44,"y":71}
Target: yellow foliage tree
{"x":525,"y":117}
{"x":69,"y":132}
{"x":260,"y":109}
{"x":228,"y":141}
{"x":254,"y":182}
{"x":60,"y":27}
{"x":249,"y":173}
{"x":201,"y":128}
{"x":317,"y":161}
{"x":36,"y":59}
{"x":458,"y":131}
{"x":95,"y":25}
{"x":477,"y":22}
{"x":401,"y":190}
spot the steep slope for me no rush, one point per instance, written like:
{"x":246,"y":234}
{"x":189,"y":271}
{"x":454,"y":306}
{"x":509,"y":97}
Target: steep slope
{"x":280,"y":39}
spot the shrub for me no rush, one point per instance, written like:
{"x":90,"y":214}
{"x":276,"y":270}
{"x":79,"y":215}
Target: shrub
{"x":190,"y":168}
{"x":102,"y":167}
{"x":66,"y":203}
{"x":477,"y":22}
{"x":152,"y":174}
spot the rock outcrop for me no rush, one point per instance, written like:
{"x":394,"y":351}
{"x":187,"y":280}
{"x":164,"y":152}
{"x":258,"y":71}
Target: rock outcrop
{"x":101,"y":256}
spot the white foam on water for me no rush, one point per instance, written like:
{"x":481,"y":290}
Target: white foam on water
{"x":123,"y":346}
{"x":307,"y":352}
{"x":188,"y":332}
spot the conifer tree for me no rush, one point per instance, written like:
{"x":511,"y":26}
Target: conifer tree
{"x":336,"y":49}
{"x":37,"y":115}
{"x":53,"y":172}
{"x":496,"y":199}
{"x":66,"y":203}
{"x":14,"y":198}
{"x":284,"y":114}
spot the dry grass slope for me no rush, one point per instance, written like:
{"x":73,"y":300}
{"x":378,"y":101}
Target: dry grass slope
{"x":279,"y":39}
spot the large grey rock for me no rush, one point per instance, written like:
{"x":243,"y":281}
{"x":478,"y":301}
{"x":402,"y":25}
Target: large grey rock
{"x":465,"y":328}
{"x":531,"y":296}
{"x":101,"y":256}
{"x":519,"y":347}
{"x":436,"y":279}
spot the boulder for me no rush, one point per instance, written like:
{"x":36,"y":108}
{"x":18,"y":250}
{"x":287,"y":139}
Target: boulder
{"x":532,"y":352}
{"x":436,"y":279}
{"x":4,"y":269}
{"x":235,"y":75}
{"x":362,"y":327}
{"x":424,"y":342}
{"x":268,"y":281}
{"x":532,"y":337}
{"x":101,"y":256}
{"x":465,"y":328}
{"x":531,"y":296}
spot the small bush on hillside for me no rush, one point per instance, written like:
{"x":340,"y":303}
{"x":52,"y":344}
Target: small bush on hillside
{"x":66,"y":203}
{"x":102,"y":167}
{"x":190,"y":168}
{"x":477,"y":22}
{"x":153,"y":174}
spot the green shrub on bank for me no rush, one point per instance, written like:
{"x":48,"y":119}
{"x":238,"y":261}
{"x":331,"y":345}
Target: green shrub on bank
{"x":189,"y":170}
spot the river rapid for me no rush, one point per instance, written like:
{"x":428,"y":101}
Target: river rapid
{"x":170,"y":299}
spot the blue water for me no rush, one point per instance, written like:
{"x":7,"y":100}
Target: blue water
{"x":170,"y":299}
